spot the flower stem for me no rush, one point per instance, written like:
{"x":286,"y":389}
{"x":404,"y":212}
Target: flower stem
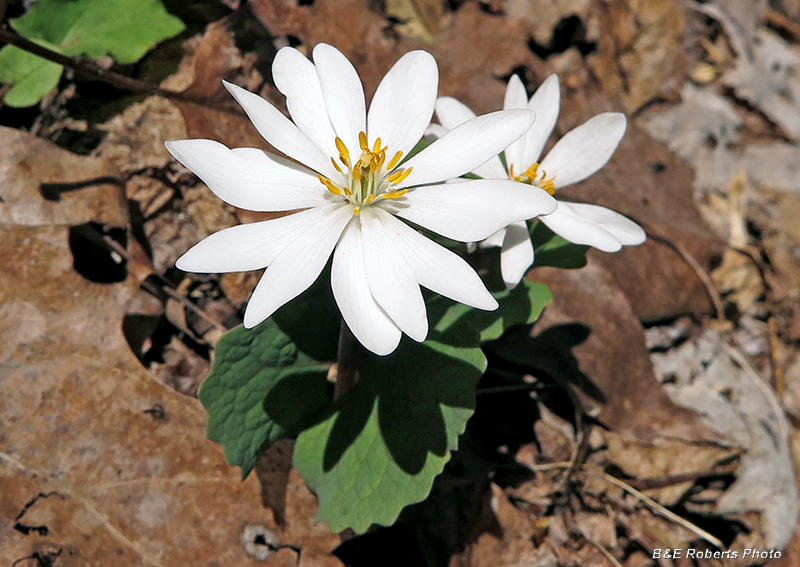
{"x":346,"y":362}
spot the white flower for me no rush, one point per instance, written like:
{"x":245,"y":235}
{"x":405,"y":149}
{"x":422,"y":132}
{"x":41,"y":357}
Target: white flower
{"x":353,"y":186}
{"x":577,"y":155}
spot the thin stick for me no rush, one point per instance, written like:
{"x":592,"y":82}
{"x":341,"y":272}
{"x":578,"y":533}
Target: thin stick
{"x":659,"y":509}
{"x":92,"y":69}
{"x":713,"y":293}
{"x":346,"y":364}
{"x":604,"y":551}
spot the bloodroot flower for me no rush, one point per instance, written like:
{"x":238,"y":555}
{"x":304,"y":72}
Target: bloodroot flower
{"x":354,"y":187}
{"x":576,"y":156}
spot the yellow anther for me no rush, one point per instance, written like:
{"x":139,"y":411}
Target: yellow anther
{"x":357,"y":171}
{"x":336,"y":165}
{"x":548,"y":186}
{"x":362,"y":141}
{"x":347,"y":191}
{"x":381,"y":158}
{"x":344,"y":155}
{"x":329,"y":184}
{"x":399,"y":175}
{"x":394,"y":194}
{"x":394,"y":161}
{"x":369,"y":199}
{"x":530,"y":173}
{"x":356,"y":211}
{"x":376,"y":147}
{"x":511,"y":172}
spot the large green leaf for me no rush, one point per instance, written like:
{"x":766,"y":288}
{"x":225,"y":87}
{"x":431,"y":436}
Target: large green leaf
{"x":519,"y":306}
{"x":124,"y":29}
{"x":383,"y":443}
{"x":260,"y":389}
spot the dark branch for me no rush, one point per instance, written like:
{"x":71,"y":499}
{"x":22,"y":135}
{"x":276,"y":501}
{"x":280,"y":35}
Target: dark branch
{"x":92,"y":69}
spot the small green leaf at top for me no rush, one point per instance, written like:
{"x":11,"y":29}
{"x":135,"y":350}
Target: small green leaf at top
{"x":519,"y":306}
{"x":553,"y":250}
{"x":31,"y":76}
{"x":261,"y":389}
{"x":382,"y":444}
{"x":124,"y":29}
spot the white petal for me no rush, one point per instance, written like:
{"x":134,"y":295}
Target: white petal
{"x":281,"y":132}
{"x":403,"y":104}
{"x":516,"y":97}
{"x":569,"y":225}
{"x":435,"y":131}
{"x":296,"y":77}
{"x":343,"y":92}
{"x":516,"y":256}
{"x":584,"y":150}
{"x":247,"y":246}
{"x":474,"y":209}
{"x":362,"y":314}
{"x":298,"y":265}
{"x":390,"y":279}
{"x":436,"y":267}
{"x":467,"y":147}
{"x":494,"y":240}
{"x":452,"y":113}
{"x":546,"y":103}
{"x":249,"y":178}
{"x":624,"y":229}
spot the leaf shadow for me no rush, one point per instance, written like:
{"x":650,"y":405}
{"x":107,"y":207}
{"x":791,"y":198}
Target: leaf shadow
{"x":549,"y":352}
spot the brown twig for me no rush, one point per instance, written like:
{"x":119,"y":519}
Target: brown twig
{"x":118,"y":80}
{"x":711,"y":290}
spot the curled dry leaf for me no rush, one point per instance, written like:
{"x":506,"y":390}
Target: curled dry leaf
{"x":45,"y":185}
{"x":127,"y":474}
{"x":614,"y":357}
{"x":715,"y":380}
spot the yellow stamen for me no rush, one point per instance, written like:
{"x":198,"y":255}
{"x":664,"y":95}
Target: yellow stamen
{"x":510,"y":172}
{"x":394,"y":194}
{"x":369,"y":199}
{"x":357,"y":171}
{"x":344,"y":155}
{"x":394,"y":161}
{"x":356,"y":211}
{"x":362,"y":141}
{"x":336,"y":165}
{"x":399,"y":175}
{"x":382,"y":158}
{"x":329,"y":184}
{"x":548,"y":186}
{"x":530,"y":173}
{"x":376,"y":147}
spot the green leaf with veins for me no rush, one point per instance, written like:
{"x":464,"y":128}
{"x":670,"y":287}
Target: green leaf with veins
{"x":380,"y":446}
{"x":260,"y":389}
{"x":124,"y":29}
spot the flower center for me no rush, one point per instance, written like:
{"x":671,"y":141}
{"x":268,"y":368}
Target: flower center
{"x":531,"y":177}
{"x":370,"y":178}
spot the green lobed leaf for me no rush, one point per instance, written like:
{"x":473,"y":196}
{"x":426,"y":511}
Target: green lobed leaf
{"x":553,"y":250}
{"x":519,"y":306}
{"x":381,"y":445}
{"x":31,"y":76}
{"x":124,"y":29}
{"x":261,"y":389}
